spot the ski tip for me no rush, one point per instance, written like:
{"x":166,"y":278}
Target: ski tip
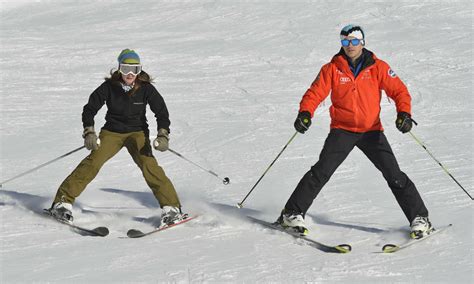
{"x":135,"y":233}
{"x":101,"y":231}
{"x":389,"y":248}
{"x":344,"y":248}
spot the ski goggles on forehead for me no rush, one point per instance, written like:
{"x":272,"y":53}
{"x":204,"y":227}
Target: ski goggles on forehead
{"x":354,"y":41}
{"x":133,"y":69}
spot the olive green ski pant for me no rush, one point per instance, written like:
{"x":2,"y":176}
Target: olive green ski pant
{"x":138,"y":145}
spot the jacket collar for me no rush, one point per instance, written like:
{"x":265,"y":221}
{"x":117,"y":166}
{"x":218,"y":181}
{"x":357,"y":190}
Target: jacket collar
{"x":342,"y":61}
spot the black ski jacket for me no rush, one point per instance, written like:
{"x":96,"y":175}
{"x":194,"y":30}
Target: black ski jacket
{"x":125,"y":112}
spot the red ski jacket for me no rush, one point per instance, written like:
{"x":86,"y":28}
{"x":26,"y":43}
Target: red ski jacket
{"x":356,"y":101}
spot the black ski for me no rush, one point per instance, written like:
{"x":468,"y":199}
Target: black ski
{"x":391,"y":248}
{"x":342,"y":248}
{"x":133,"y":233}
{"x":97,"y":232}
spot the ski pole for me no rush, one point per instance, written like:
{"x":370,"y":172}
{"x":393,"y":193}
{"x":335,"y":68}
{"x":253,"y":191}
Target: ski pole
{"x":225,"y":180}
{"x":439,"y":163}
{"x":286,"y":145}
{"x":42,"y":165}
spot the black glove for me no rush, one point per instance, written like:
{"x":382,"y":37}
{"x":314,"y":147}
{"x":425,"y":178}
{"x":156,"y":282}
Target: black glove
{"x":403,"y":122}
{"x":303,"y":122}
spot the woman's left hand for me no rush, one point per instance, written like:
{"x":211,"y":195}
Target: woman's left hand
{"x":161,"y":141}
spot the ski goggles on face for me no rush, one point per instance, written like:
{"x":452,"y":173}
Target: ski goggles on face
{"x":133,"y":69}
{"x":354,"y":41}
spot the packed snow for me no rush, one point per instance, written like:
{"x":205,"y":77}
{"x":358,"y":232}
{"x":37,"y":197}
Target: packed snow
{"x":232,"y":74}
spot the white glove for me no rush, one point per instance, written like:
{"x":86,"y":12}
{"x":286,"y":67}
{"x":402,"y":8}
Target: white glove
{"x":161,"y":141}
{"x":90,"y":138}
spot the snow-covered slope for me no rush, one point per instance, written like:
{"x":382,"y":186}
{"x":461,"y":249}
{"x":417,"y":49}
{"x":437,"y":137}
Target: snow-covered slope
{"x":232,"y":74}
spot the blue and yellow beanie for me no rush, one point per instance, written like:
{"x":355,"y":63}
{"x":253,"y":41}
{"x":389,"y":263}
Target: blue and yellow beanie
{"x":128,"y":56}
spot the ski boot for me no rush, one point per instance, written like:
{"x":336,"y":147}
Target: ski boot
{"x":420,"y":227}
{"x":294,"y":221}
{"x":62,"y":212}
{"x":171,"y":215}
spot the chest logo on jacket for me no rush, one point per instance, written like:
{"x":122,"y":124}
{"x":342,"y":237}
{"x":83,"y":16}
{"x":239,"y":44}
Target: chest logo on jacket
{"x":366,"y":75}
{"x":344,"y":80}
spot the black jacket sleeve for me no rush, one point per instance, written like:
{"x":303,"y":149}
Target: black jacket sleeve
{"x":95,"y":103}
{"x":158,"y":106}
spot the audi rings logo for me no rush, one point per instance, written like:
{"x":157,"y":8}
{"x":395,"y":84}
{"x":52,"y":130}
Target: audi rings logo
{"x":344,"y":80}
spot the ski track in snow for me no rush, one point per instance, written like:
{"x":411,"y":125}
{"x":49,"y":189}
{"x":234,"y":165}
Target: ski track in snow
{"x":232,"y":75}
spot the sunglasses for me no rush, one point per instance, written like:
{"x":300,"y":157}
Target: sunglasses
{"x":133,"y":69}
{"x":354,"y":41}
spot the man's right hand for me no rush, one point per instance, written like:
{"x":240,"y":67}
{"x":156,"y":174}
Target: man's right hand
{"x":303,"y":122}
{"x":90,"y":138}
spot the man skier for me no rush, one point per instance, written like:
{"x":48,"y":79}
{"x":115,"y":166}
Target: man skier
{"x":355,"y":78}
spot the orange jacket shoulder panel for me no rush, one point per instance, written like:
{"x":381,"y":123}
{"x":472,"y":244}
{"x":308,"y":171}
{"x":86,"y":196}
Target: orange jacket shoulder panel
{"x":394,"y":87}
{"x":318,"y":91}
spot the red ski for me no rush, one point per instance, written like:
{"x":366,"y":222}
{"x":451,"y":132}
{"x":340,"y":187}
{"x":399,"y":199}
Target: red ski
{"x":132,"y":233}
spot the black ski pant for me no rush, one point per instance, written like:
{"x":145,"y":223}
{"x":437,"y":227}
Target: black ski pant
{"x":375,"y":146}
